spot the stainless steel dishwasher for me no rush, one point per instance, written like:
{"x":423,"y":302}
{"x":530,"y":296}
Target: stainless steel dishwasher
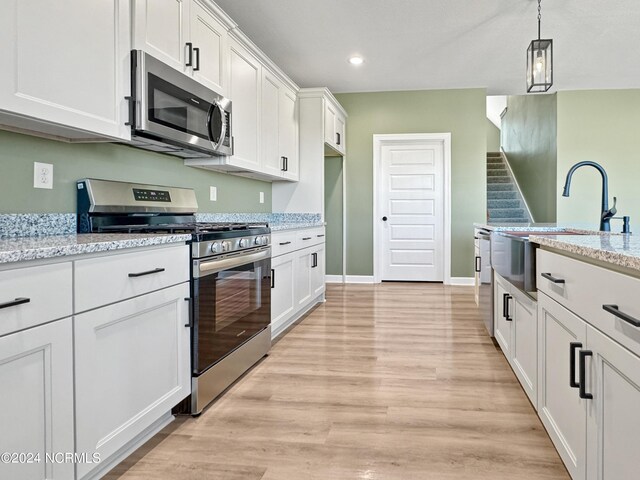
{"x":484,"y":278}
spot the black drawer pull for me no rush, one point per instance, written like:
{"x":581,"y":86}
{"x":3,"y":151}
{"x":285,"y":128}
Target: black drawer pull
{"x":320,"y":236}
{"x":273,"y":278}
{"x":583,"y":367}
{"x":573,"y":346}
{"x":478,"y":264}
{"x":613,"y":309}
{"x":306,"y":238}
{"x":551,"y":278}
{"x":150,"y":272}
{"x":15,"y":303}
{"x":285,"y":243}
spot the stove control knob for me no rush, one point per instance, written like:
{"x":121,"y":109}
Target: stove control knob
{"x":225,"y":246}
{"x":265,"y":240}
{"x":258,"y":241}
{"x":243,"y":243}
{"x":215,"y":247}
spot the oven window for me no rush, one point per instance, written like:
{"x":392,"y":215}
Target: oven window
{"x":175,"y":108}
{"x":230,"y":307}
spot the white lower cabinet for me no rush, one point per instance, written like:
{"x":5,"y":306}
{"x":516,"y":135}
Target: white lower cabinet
{"x":36,"y":401}
{"x":132,"y":366}
{"x":560,"y":407}
{"x":298,"y":275}
{"x":283,"y":302}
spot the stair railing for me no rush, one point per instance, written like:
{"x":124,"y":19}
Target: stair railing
{"x":515,"y":180}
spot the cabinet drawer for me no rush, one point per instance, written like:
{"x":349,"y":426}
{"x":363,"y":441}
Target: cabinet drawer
{"x":587,"y":288}
{"x":104,"y":280}
{"x":313,"y":236}
{"x":283,"y":242}
{"x":48,"y":291}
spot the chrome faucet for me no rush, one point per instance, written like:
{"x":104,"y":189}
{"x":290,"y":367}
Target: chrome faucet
{"x":606,"y":213}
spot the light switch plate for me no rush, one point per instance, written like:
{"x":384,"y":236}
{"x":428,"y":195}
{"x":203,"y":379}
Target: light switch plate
{"x":261,"y":197}
{"x":42,"y":175}
{"x":213,"y":194}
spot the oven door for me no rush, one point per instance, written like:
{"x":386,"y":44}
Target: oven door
{"x":232,"y":303}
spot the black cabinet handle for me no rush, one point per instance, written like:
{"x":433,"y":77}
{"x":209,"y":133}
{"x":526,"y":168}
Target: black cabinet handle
{"x":337,"y":138}
{"x":285,"y":243}
{"x":190,"y":300}
{"x":551,"y":278}
{"x":505,"y":307}
{"x":320,"y":236}
{"x":478,"y":264}
{"x":613,"y":309}
{"x":286,"y":164}
{"x":197,"y":65}
{"x":15,"y":303}
{"x":573,"y":346}
{"x":583,"y":367}
{"x":314,"y":260}
{"x":149,"y":272}
{"x":190,"y":57}
{"x":282,"y":167}
{"x":273,"y":278}
{"x":306,"y":238}
{"x":131,"y":107}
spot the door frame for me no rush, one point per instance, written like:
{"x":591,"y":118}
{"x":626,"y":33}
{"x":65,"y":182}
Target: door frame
{"x":381,"y":140}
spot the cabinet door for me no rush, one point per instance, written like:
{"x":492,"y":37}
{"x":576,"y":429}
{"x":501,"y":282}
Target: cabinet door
{"x":161,"y":28}
{"x":524,"y":347}
{"x":210,"y":37}
{"x":67,"y":63}
{"x":329,"y":124}
{"x":132,"y":366}
{"x":340,"y":132}
{"x":288,"y":131}
{"x":283,"y":300}
{"x":613,"y":420}
{"x":476,"y":257}
{"x":36,"y":404}
{"x":244,"y":91}
{"x":303,"y":277}
{"x":317,"y":271}
{"x":272,"y":162}
{"x":503,"y":312}
{"x":560,"y":407}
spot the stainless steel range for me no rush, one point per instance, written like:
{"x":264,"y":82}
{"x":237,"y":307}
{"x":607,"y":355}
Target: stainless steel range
{"x":230,"y":276}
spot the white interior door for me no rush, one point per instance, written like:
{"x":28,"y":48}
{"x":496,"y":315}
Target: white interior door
{"x":412,"y":210}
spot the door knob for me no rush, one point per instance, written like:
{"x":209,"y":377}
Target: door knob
{"x":384,"y":219}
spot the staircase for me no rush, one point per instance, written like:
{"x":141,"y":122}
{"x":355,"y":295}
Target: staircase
{"x":504,"y":201}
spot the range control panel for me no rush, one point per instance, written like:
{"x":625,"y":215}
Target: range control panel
{"x":151,"y":195}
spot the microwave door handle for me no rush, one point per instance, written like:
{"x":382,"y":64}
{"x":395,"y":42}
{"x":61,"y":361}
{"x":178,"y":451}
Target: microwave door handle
{"x":223,"y":129}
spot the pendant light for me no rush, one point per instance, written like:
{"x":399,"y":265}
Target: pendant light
{"x":539,"y":62}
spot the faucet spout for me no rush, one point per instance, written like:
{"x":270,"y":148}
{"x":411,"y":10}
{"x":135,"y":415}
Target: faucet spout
{"x":605,"y":215}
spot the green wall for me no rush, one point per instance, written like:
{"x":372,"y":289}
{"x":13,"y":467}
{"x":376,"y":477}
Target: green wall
{"x":602,"y":126}
{"x":461,"y":112}
{"x":113,"y":162}
{"x":529,"y":131}
{"x":333,"y":211}
{"x":493,"y":137}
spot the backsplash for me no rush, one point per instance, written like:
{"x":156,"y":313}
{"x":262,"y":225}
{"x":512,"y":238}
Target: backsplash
{"x":270,"y":218}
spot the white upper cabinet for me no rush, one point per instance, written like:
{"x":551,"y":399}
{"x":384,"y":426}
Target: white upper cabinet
{"x":288,"y":133}
{"x":334,"y":127}
{"x":272,"y":156}
{"x":186,"y":35}
{"x":209,"y":36}
{"x":244,"y":91}
{"x":161,"y":28}
{"x":65,"y":67}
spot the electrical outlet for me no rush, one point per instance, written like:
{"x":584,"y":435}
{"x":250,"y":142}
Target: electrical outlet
{"x":213,"y":194}
{"x":261,"y":197}
{"x":42,"y":175}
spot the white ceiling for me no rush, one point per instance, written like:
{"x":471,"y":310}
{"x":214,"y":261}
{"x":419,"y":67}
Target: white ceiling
{"x":430,"y":44}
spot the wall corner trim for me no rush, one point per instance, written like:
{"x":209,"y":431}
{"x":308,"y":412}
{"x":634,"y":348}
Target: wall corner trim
{"x":334,"y":278}
{"x":359,"y":279}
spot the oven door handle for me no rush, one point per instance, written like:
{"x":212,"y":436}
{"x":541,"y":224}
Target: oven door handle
{"x":215,"y":266}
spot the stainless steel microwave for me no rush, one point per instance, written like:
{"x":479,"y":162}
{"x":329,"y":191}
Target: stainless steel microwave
{"x":172,"y":113}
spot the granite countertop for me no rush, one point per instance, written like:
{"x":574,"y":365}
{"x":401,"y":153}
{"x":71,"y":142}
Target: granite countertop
{"x":616,"y":249}
{"x":35,"y":248}
{"x":276,"y":227}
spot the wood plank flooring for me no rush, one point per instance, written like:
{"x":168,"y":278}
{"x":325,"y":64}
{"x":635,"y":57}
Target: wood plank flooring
{"x":395,"y":381}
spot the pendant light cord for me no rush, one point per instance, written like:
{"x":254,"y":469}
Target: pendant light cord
{"x":539,"y":17}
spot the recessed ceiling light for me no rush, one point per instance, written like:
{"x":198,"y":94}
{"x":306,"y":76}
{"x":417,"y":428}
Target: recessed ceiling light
{"x":356,"y":60}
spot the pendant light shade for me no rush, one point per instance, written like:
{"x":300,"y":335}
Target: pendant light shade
{"x":539,"y":62}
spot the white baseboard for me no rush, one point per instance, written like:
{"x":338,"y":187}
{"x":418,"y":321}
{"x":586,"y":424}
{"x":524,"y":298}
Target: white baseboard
{"x":334,"y":279}
{"x":359,"y":279}
{"x":463,"y":281}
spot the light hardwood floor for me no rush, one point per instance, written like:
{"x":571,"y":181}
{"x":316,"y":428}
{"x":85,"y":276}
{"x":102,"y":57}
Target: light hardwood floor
{"x":397,"y":381}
